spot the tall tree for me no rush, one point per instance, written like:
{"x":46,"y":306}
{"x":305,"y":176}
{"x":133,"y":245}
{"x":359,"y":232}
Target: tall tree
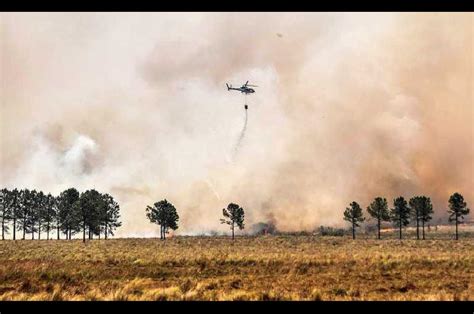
{"x":415,"y":210}
{"x":5,"y":210}
{"x":15,"y":203}
{"x":110,"y":216}
{"x":353,"y":214}
{"x":25,"y":211}
{"x":171,"y":219}
{"x":49,"y":213}
{"x":400,"y":214}
{"x":378,"y":209}
{"x":58,"y":219}
{"x":39,"y":211}
{"x":457,"y":210}
{"x":33,"y":212}
{"x":426,"y":210}
{"x":164,"y":214}
{"x":234,"y":216}
{"x":421,"y":210}
{"x":88,"y":212}
{"x":67,"y":216}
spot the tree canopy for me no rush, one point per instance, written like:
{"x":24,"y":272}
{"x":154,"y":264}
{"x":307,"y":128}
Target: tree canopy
{"x":234,"y":216}
{"x":164,"y":214}
{"x":354,"y":215}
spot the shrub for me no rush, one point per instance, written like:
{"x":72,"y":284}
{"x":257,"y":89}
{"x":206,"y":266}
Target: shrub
{"x":331,"y":232}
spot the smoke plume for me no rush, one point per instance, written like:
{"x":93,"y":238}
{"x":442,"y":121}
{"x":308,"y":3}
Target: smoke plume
{"x":350,"y":106}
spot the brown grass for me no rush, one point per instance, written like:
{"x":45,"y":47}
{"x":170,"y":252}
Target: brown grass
{"x":251,"y":268}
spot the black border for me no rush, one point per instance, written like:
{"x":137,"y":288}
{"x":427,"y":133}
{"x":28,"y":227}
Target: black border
{"x":458,"y":307}
{"x":241,"y":6}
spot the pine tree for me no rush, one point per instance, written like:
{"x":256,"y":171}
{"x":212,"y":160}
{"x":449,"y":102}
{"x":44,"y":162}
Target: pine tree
{"x":25,"y":210}
{"x":234,"y":216}
{"x":378,"y":209}
{"x":33,"y":213}
{"x":457,"y":210}
{"x":15,"y":203}
{"x":49,"y":213}
{"x":353,"y":214}
{"x":39,"y":211}
{"x":67,"y":219}
{"x":110,"y":216}
{"x":88,"y":208}
{"x":5,"y":210}
{"x":421,"y":210}
{"x":400,"y":214}
{"x":415,"y":210}
{"x":164,"y":214}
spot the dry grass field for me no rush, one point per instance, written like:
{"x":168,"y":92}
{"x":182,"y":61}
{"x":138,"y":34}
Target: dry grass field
{"x":251,"y":268}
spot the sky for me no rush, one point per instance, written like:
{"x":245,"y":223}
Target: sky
{"x":349,"y":106}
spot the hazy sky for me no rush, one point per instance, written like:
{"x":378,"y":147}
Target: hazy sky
{"x":349,"y":106}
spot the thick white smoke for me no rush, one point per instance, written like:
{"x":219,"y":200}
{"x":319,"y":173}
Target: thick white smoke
{"x":349,"y":107}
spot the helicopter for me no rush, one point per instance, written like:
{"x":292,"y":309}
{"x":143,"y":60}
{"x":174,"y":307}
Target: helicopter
{"x":244,"y":89}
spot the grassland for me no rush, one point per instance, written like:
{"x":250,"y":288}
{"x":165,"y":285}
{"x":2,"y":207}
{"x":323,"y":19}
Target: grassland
{"x":251,"y":268}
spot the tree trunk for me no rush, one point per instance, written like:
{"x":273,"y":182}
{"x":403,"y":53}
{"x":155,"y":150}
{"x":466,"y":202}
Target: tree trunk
{"x":3,"y":227}
{"x":417,"y":228}
{"x":378,"y":227}
{"x":70,"y":231}
{"x":456,"y":227}
{"x":232,"y":231}
{"x":400,"y":229}
{"x":39,"y":230}
{"x":400,"y":225}
{"x":14,"y":229}
{"x":423,"y":228}
{"x":84,"y":231}
{"x":24,"y":228}
{"x":105,"y":234}
{"x":47,"y":231}
{"x":57,"y":231}
{"x":353,"y":231}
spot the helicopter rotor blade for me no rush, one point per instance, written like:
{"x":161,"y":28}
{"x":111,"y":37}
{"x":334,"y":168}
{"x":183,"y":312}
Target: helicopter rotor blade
{"x":252,"y":85}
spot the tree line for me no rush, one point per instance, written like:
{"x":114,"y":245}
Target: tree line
{"x":94,"y":214}
{"x":33,"y":212}
{"x":418,"y":210}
